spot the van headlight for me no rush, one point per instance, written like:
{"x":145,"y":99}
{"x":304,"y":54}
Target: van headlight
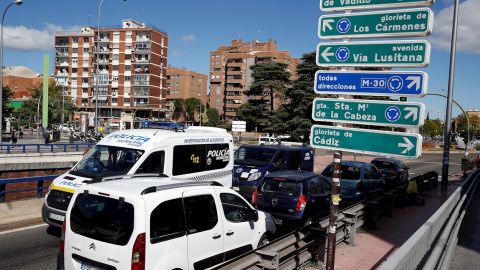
{"x":254,"y":176}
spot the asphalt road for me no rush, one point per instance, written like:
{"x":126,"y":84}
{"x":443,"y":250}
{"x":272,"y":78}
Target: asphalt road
{"x":36,"y":248}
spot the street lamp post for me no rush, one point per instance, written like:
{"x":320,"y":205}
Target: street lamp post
{"x":38,"y":112}
{"x":96,"y":80}
{"x":17,"y":2}
{"x":201,"y":101}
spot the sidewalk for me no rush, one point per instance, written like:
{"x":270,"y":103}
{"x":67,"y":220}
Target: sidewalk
{"x":373,"y":247}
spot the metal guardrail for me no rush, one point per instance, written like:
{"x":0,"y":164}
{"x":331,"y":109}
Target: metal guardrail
{"x":60,"y":147}
{"x":429,"y":247}
{"x":39,"y":179}
{"x":309,"y":243}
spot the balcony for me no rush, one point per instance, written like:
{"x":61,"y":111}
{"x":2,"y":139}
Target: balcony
{"x":62,"y":74}
{"x":61,"y":64}
{"x":142,"y":39}
{"x":103,"y":71}
{"x":141,"y":83}
{"x":141,"y":50}
{"x":141,"y":61}
{"x":62,"y":44}
{"x":61,"y":54}
{"x":102,"y":61}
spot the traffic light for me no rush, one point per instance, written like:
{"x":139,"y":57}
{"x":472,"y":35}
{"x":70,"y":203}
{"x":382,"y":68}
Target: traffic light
{"x":464,"y":135}
{"x":404,"y":99}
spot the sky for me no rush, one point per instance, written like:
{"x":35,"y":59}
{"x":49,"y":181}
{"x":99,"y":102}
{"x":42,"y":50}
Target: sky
{"x":195,"y":28}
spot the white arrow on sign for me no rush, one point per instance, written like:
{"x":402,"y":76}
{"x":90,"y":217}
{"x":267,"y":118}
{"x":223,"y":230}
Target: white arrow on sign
{"x":408,"y":145}
{"x":415,"y":81}
{"x":412,"y":111}
{"x":326,"y":23}
{"x":326,"y":54}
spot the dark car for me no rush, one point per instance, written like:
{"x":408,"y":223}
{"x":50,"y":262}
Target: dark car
{"x":359,"y":180}
{"x":293,"y":198}
{"x":393,"y":170}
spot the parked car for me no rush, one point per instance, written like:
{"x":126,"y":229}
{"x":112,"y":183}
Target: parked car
{"x":393,"y":170}
{"x":358,"y":180}
{"x":267,"y":140}
{"x":158,"y":223}
{"x":253,"y":162}
{"x":284,"y":136}
{"x":293,"y":198}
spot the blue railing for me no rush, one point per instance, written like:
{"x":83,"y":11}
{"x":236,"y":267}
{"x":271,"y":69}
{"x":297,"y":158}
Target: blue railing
{"x":58,"y":147}
{"x":38,"y":179}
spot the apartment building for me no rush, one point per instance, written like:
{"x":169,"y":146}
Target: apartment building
{"x":230,"y":72}
{"x":121,"y":70}
{"x":183,"y":83}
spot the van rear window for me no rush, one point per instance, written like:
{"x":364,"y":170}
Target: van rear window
{"x":201,"y":157}
{"x":102,"y":218}
{"x":281,"y":187}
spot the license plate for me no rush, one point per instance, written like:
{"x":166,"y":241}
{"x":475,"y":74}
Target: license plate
{"x":278,"y":221}
{"x":57,"y":217}
{"x":236,"y":188}
{"x":86,"y":266}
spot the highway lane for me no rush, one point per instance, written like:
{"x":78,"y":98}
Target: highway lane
{"x":32,"y":248}
{"x":37,"y":247}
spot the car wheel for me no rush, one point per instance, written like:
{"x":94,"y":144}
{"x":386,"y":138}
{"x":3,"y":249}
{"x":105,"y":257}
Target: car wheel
{"x":263,"y":241}
{"x":308,"y":222}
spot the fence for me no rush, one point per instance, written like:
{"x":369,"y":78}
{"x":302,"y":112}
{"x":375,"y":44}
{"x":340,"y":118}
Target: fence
{"x":39,"y":186}
{"x":38,"y":148}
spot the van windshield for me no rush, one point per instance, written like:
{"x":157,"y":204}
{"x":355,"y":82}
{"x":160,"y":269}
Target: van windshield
{"x":254,"y":156}
{"x":103,"y":161}
{"x":102,"y":218}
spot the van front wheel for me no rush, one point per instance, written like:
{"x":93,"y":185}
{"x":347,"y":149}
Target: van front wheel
{"x":263,"y":241}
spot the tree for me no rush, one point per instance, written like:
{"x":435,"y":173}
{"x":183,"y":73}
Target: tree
{"x":462,"y":124}
{"x":187,"y":108}
{"x":212,"y":118}
{"x":432,"y":128}
{"x":253,"y":115}
{"x":271,"y":80}
{"x":301,"y":97}
{"x":56,"y":103}
{"x":7,"y":94}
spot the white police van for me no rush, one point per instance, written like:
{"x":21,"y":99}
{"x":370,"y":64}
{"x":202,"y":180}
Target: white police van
{"x":140,"y":222}
{"x":195,"y":153}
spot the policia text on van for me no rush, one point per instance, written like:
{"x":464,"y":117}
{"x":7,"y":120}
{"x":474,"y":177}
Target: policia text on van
{"x":196,"y":153}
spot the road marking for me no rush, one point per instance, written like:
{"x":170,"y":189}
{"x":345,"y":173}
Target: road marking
{"x":23,"y":229}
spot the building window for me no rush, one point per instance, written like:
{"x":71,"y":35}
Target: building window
{"x":114,"y":100}
{"x":191,"y":93}
{"x":74,"y":40}
{"x":126,"y":100}
{"x":85,"y":61}
{"x":115,"y":57}
{"x":74,"y":60}
{"x":85,"y":50}
{"x":127,"y":67}
{"x":115,"y":78}
{"x":127,"y":78}
{"x":193,"y":77}
{"x":74,"y":50}
{"x":85,"y":40}
{"x":177,"y":84}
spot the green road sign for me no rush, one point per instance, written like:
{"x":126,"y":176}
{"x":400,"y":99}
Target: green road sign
{"x":341,"y":5}
{"x":366,"y":141}
{"x":374,"y":54}
{"x":369,"y":112}
{"x":393,"y":23}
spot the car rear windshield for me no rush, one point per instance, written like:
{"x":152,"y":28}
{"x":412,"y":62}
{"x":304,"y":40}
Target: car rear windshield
{"x":282,"y":186}
{"x":254,"y":156}
{"x":384,"y":165}
{"x":348,"y":172}
{"x":102,"y":218}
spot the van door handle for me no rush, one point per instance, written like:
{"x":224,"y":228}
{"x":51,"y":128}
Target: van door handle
{"x":230,"y":233}
{"x":216,"y":236}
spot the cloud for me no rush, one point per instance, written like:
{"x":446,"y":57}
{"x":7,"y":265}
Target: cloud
{"x":468,"y":25}
{"x":177,"y":53}
{"x":189,"y":38}
{"x":20,"y":38}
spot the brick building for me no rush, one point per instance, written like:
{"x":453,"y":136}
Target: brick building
{"x":19,"y":78}
{"x":182,"y":83}
{"x":230,"y":72}
{"x":131,"y":60}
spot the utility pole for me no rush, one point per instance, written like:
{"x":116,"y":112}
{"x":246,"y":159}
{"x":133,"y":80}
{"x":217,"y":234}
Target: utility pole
{"x":334,"y":202}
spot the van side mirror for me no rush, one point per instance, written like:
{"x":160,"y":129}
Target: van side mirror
{"x":253,"y":216}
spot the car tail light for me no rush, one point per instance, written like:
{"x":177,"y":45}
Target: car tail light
{"x":62,"y":236}
{"x":360,"y":187}
{"x":394,"y":172}
{"x":302,"y":201}
{"x":254,"y":197}
{"x":138,"y":253}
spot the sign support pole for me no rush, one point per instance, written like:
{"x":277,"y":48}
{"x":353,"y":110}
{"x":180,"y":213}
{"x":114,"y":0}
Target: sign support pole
{"x":334,"y":202}
{"x":448,"y":114}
